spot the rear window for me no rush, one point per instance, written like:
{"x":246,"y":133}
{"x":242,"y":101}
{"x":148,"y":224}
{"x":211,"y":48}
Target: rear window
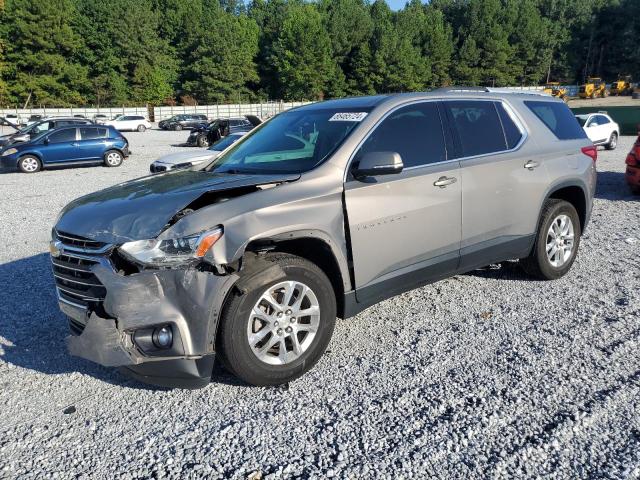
{"x":92,"y":133}
{"x":478,"y":126}
{"x":558,"y":118}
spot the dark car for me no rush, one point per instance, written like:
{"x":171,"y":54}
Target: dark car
{"x":36,"y":129}
{"x":67,"y":145}
{"x":179,"y":122}
{"x":206,"y":135}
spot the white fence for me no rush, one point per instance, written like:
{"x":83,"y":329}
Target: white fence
{"x":263,"y":110}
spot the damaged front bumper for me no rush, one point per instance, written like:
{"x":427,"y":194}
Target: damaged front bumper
{"x":112,"y":316}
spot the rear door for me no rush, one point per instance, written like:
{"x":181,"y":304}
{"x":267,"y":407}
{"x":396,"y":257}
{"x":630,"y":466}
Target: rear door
{"x":405,"y":228}
{"x":62,"y":146}
{"x":92,"y":143}
{"x":504,"y":182}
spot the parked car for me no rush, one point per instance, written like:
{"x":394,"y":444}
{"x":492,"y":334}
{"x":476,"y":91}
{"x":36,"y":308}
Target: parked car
{"x":34,"y":119}
{"x":14,"y":118}
{"x":130,"y":123}
{"x":69,"y":145}
{"x":36,"y":129}
{"x":190,"y":159}
{"x":321,"y":212}
{"x":179,"y":122}
{"x":100,"y":118}
{"x":601,"y":129}
{"x":206,"y":135}
{"x":632,"y":174}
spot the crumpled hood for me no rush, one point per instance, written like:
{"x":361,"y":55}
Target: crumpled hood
{"x":182,"y":157}
{"x":141,"y":208}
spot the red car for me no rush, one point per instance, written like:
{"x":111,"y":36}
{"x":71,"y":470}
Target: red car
{"x":633,"y":167}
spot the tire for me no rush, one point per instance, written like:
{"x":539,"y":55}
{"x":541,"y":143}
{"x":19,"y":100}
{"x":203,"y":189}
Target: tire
{"x":613,"y":142}
{"x":177,"y":127}
{"x":202,"y":141}
{"x":538,"y":264}
{"x":29,"y":164}
{"x":634,"y":190}
{"x":141,"y":128}
{"x":238,"y":323}
{"x":113,"y":158}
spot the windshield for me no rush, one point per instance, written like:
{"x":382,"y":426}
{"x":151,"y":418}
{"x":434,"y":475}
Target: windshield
{"x":36,"y":128}
{"x":119,"y":117}
{"x":292,"y":142}
{"x":581,"y":119}
{"x":225,"y":142}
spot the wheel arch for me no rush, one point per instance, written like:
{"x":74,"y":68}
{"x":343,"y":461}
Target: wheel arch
{"x":575,"y":193}
{"x":30,"y":154}
{"x":313,"y":247}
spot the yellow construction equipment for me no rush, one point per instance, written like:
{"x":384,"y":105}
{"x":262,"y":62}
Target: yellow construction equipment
{"x":622,"y":86}
{"x":595,"y":87}
{"x":555,"y":90}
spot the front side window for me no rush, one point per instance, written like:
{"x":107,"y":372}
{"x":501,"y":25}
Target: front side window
{"x":62,"y":136}
{"x":414,"y":131}
{"x":478,"y":127}
{"x":602,"y":120}
{"x":292,"y":142}
{"x":558,"y":118}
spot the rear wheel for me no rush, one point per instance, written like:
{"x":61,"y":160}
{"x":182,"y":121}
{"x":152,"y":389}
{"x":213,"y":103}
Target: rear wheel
{"x":613,"y":142}
{"x":141,"y":128}
{"x":177,"y":127}
{"x":278,"y":326}
{"x":113,"y":158}
{"x":29,"y":164}
{"x":557,"y":241}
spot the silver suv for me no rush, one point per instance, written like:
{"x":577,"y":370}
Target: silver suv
{"x":318,"y":213}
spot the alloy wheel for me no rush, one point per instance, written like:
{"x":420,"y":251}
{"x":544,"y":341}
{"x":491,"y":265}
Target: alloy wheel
{"x":560,"y":241}
{"x":283,"y":323}
{"x":29,"y":164}
{"x":114,"y":159}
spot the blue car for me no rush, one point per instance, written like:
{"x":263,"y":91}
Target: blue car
{"x":72,"y":145}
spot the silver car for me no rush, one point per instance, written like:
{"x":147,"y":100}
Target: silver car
{"x":193,"y":158}
{"x":318,"y":213}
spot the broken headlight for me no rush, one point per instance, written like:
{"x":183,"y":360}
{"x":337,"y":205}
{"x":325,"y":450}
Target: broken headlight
{"x":172,"y":251}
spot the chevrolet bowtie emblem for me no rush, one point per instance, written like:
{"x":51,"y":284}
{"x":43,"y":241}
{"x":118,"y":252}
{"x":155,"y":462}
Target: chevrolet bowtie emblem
{"x":55,"y":249}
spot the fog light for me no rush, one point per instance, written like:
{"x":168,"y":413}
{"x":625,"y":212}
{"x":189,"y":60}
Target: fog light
{"x":163,"y":337}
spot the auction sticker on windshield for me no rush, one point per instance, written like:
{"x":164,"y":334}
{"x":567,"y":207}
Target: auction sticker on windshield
{"x":348,"y":117}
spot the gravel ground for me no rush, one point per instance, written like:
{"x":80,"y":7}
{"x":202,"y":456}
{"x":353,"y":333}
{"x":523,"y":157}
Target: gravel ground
{"x":483,"y":375}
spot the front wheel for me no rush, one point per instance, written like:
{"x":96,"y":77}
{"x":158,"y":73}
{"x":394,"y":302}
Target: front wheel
{"x":113,"y":158}
{"x":177,"y":127}
{"x":29,"y":164}
{"x":203,"y":141}
{"x":613,"y":142}
{"x":557,"y":241}
{"x":275,"y":327}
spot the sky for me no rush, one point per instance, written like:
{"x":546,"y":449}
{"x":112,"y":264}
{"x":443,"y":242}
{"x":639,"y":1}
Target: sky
{"x":396,"y":4}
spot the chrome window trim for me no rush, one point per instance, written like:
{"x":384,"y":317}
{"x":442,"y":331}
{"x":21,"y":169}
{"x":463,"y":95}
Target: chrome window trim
{"x":520,"y":124}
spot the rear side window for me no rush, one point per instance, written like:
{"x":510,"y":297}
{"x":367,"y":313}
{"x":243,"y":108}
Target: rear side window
{"x":512,"y":133}
{"x":61,"y":136}
{"x":478,"y":126}
{"x":92,"y":133}
{"x":558,"y":118}
{"x":414,"y":131}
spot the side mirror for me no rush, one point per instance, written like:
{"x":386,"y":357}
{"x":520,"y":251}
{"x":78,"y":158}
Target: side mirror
{"x":46,"y":141}
{"x":378,"y":163}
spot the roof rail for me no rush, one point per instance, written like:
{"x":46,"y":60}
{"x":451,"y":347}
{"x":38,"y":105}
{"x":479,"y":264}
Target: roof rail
{"x":490,"y":90}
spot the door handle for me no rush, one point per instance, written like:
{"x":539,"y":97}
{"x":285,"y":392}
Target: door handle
{"x":530,"y":165}
{"x":444,"y":181}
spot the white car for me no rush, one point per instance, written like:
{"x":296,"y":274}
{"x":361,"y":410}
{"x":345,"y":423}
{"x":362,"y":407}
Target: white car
{"x":129,"y":122}
{"x":188,"y":159}
{"x":600,"y":128}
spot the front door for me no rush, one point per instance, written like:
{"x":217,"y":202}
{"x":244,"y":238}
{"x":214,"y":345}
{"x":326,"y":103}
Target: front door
{"x":62,"y":146}
{"x":405,"y":228}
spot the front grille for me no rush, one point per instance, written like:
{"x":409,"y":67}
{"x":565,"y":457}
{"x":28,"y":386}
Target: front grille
{"x":79,"y":242}
{"x":77,"y":285}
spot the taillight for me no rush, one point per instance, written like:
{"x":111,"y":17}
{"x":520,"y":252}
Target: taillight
{"x":632,"y":160}
{"x":591,"y":151}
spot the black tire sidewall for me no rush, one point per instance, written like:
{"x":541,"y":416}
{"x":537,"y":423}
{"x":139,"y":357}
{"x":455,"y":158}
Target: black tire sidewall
{"x":27,"y":171}
{"x":236,"y":352}
{"x":546,"y":269}
{"x":613,"y":141}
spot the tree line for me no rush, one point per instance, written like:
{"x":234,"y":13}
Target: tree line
{"x":115,"y":52}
